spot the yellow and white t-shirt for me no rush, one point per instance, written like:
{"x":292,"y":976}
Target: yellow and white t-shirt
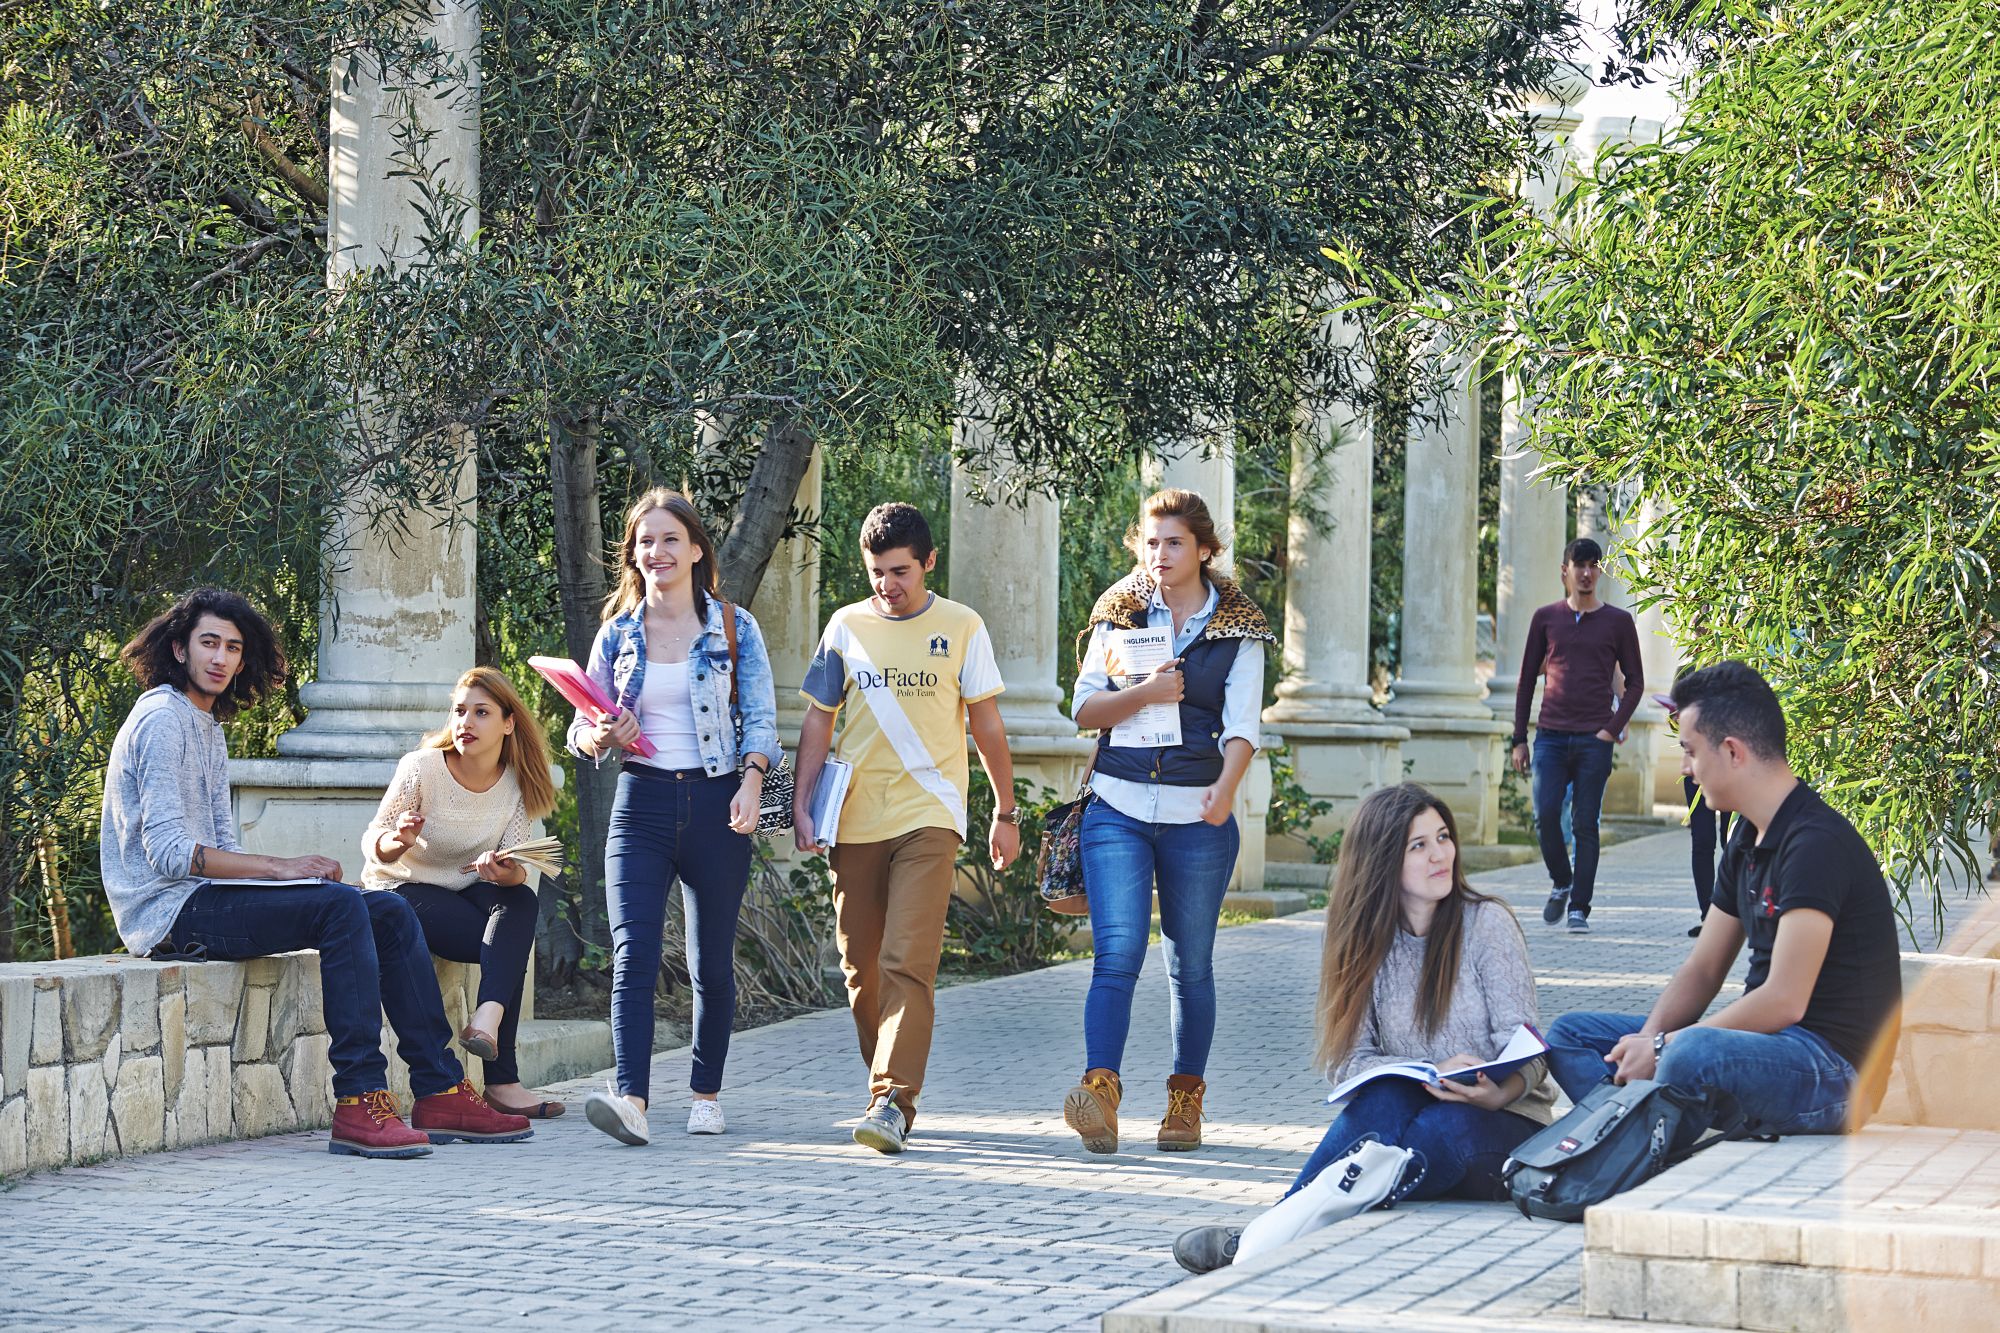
{"x":908,"y":680}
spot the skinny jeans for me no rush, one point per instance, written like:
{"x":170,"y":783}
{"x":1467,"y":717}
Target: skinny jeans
{"x":668,"y":825}
{"x":492,"y":925}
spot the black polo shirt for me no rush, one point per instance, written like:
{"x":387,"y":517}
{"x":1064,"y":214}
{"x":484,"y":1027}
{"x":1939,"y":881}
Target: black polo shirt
{"x":1812,"y":857}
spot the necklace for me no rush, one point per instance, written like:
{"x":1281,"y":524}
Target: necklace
{"x":675,"y":636}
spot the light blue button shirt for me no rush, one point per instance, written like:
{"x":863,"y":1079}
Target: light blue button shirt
{"x":1242,"y":700}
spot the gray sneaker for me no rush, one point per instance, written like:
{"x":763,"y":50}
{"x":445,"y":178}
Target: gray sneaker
{"x":882,"y":1128}
{"x":1579,"y":924}
{"x":1205,"y":1249}
{"x":1552,"y":910}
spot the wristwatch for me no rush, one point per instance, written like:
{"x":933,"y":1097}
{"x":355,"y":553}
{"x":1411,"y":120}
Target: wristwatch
{"x":1008,"y":816}
{"x":1659,"y":1044}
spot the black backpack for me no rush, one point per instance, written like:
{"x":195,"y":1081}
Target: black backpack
{"x":1615,"y":1138}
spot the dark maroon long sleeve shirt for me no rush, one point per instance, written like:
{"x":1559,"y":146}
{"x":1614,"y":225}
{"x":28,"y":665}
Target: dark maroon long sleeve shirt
{"x":1581,"y":654}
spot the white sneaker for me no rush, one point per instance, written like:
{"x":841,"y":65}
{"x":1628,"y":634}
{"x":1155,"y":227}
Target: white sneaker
{"x":616,"y":1116}
{"x":705,"y":1117}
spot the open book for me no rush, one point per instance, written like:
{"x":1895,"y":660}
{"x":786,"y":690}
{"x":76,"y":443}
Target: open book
{"x":829,"y":793}
{"x":1524,"y":1047}
{"x":544,"y":856}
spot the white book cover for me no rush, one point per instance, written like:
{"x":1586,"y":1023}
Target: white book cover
{"x":1130,"y":656}
{"x":829,"y":794}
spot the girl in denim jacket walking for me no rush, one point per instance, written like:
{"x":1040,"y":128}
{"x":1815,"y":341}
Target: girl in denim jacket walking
{"x":685,"y":813}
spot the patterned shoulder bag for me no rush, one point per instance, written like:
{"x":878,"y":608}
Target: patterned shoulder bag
{"x":774,"y":811}
{"x":1059,"y":863}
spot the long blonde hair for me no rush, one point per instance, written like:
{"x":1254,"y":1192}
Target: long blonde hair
{"x":1365,"y":910}
{"x":525,"y":752}
{"x":631,"y":589}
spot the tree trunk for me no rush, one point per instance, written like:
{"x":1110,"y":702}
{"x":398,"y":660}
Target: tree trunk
{"x":579,"y":534}
{"x":782,"y":460}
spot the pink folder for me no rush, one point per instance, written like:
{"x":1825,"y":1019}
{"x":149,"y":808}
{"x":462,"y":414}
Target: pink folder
{"x":582,"y":692}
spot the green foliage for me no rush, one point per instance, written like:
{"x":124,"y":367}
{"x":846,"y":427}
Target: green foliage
{"x":1778,"y":333}
{"x":826,"y":216}
{"x":997,"y":919}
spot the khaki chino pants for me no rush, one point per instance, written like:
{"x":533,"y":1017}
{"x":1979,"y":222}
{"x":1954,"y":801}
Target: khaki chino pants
{"x":889,"y":902}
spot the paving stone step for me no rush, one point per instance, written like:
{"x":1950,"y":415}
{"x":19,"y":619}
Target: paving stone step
{"x":1308,"y":876}
{"x":552,"y":1050}
{"x":1892,"y":1228}
{"x":1265,"y":902}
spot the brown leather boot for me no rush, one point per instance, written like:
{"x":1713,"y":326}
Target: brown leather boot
{"x":1091,"y":1109}
{"x":1180,"y":1131}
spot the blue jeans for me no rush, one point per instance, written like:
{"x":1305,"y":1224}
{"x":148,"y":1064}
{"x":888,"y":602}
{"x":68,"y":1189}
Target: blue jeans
{"x":492,"y":925}
{"x":372,"y":960}
{"x":1459,"y":1149}
{"x":1582,"y":763}
{"x":1122,"y":861}
{"x":665,"y":826}
{"x":1788,"y":1082}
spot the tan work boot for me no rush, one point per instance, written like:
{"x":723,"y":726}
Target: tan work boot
{"x":1180,"y":1131}
{"x":1091,"y":1109}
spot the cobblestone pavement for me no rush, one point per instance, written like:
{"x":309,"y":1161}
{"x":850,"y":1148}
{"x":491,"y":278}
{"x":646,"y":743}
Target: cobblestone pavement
{"x":994,"y":1218}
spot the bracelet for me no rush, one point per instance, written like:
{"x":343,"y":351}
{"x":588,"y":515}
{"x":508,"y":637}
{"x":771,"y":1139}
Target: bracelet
{"x":763,"y":770}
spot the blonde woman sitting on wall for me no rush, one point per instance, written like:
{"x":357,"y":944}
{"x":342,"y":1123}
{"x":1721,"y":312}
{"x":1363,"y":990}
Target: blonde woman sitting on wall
{"x":471,"y":790}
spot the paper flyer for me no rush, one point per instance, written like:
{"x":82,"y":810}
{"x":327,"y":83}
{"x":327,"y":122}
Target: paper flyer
{"x":1130,"y":656}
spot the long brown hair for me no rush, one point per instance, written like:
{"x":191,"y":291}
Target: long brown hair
{"x":525,"y":752}
{"x":1365,"y":910}
{"x":631,"y":589}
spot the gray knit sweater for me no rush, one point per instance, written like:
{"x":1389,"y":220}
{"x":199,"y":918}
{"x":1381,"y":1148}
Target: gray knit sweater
{"x":1494,"y":995}
{"x":165,"y":793}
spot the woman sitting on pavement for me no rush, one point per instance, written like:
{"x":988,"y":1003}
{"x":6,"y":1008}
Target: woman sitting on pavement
{"x":1416,"y":966}
{"x":470,"y":791}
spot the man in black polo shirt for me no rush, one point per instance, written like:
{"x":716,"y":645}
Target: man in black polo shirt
{"x":1801,"y":886}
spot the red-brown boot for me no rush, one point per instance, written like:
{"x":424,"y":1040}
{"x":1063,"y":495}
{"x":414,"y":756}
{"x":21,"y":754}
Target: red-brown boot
{"x":463,"y":1115}
{"x":368,"y":1126}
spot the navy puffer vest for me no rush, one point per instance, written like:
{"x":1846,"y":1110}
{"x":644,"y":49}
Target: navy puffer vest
{"x":1197,"y":760}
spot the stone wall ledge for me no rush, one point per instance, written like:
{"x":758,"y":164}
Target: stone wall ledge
{"x":111,"y":1056}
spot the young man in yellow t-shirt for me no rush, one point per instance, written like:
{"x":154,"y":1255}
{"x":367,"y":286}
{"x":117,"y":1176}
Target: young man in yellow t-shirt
{"x":910,"y":670}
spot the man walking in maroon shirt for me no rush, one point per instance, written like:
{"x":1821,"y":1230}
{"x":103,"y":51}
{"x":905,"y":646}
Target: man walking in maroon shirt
{"x":1580,"y":642}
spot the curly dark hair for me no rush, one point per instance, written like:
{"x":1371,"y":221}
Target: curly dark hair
{"x":150,"y":655}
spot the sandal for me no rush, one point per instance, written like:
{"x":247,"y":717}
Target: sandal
{"x":479,"y":1043}
{"x":539,"y":1111}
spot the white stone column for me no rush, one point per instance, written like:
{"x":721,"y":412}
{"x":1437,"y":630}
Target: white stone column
{"x":1205,"y":464}
{"x":787,"y":608}
{"x":396,"y":631}
{"x":1005,"y":552}
{"x":1455,"y":745}
{"x":1534,"y":511}
{"x":1341,"y":746}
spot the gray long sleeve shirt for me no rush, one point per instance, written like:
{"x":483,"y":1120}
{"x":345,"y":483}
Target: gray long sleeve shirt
{"x":1493,"y":995}
{"x":166,"y":792}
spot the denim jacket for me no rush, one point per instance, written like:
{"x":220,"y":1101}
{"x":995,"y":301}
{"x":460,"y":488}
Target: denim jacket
{"x":618,"y":665}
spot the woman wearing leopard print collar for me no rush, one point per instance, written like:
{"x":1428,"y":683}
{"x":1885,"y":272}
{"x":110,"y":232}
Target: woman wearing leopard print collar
{"x":1162,"y":815}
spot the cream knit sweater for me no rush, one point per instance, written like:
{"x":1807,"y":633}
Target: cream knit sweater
{"x":458,"y":824}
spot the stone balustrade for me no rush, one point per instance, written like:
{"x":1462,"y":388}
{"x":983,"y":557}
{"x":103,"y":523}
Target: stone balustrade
{"x":111,"y":1056}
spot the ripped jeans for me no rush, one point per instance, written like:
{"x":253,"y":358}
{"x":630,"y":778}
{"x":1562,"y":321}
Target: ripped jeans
{"x":1459,"y":1148}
